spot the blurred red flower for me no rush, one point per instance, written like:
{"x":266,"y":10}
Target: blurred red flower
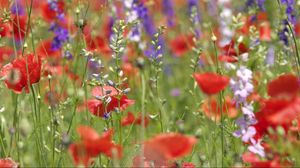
{"x":181,"y":44}
{"x":48,"y":13}
{"x":19,"y":26}
{"x":284,"y":87}
{"x":21,"y":72}
{"x":265,"y":32}
{"x":4,"y":28}
{"x":92,"y":144}
{"x":212,"y":109}
{"x":230,"y":50}
{"x":277,"y":112}
{"x":188,"y":165}
{"x":45,"y":50}
{"x":254,"y":161}
{"x":168,"y":147}
{"x":8,"y":163}
{"x":5,"y":53}
{"x":211,"y":83}
{"x":131,"y":119}
{"x":99,"y":107}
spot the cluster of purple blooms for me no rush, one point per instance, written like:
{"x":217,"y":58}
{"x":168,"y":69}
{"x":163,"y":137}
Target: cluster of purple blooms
{"x":138,"y":13}
{"x":242,"y":88}
{"x":195,"y":16}
{"x":259,"y":3}
{"x":61,"y":34}
{"x":168,"y":10}
{"x":131,"y":17}
{"x":17,"y":8}
{"x":291,"y":18}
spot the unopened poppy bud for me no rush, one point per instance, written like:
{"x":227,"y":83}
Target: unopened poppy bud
{"x":140,"y":62}
{"x":110,"y":83}
{"x":127,"y":90}
{"x":280,"y":130}
{"x":213,"y":37}
{"x":65,"y":140}
{"x":25,"y":45}
{"x":20,"y":144}
{"x":77,"y":11}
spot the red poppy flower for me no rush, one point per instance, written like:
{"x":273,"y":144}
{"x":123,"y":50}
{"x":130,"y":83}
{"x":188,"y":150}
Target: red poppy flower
{"x":8,"y":163}
{"x":213,"y":111}
{"x":226,"y":58}
{"x":21,"y":72}
{"x":188,"y":165}
{"x":98,"y":107}
{"x":48,"y":13}
{"x":285,"y":86}
{"x":129,"y":70}
{"x":5,"y":53}
{"x":4,"y":28}
{"x":211,"y":83}
{"x":229,"y":49}
{"x":167,"y":147}
{"x":297,"y":29}
{"x":256,"y":162}
{"x":104,"y":91}
{"x":130,"y":119}
{"x":52,"y":69}
{"x":103,"y":46}
{"x":71,"y":74}
{"x":92,"y":144}
{"x":277,"y":112}
{"x":19,"y":26}
{"x":181,"y":44}
{"x":265,"y":32}
{"x":45,"y":50}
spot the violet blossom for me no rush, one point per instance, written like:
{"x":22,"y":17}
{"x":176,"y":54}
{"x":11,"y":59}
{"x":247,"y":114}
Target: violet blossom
{"x":242,"y":88}
{"x":168,"y":10}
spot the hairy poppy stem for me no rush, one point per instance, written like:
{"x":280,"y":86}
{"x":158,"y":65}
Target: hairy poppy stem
{"x":220,"y":95}
{"x":143,"y":117}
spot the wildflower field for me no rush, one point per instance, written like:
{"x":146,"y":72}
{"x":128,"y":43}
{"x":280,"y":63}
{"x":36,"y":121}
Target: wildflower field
{"x":149,"y":83}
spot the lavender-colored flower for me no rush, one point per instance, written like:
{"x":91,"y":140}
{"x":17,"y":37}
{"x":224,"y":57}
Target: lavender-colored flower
{"x":61,"y":36}
{"x":212,"y":8}
{"x":17,"y":8}
{"x":175,"y":92}
{"x":290,"y":10}
{"x":135,"y":34}
{"x":283,"y":34}
{"x":259,"y":3}
{"x":291,"y":17}
{"x":67,"y":54}
{"x":148,"y":26}
{"x":194,"y":13}
{"x":106,"y":115}
{"x":168,"y":10}
{"x":257,"y":148}
{"x":242,"y":87}
{"x":270,"y":57}
{"x":146,"y":20}
{"x":248,"y":134}
{"x":61,"y":33}
{"x":132,"y":15}
{"x":225,"y":21}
